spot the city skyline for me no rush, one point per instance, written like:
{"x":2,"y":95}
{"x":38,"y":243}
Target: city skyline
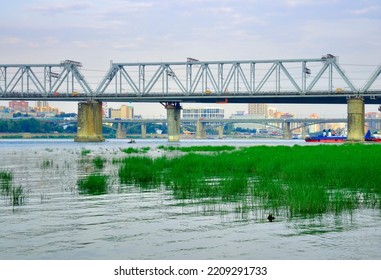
{"x":97,"y":32}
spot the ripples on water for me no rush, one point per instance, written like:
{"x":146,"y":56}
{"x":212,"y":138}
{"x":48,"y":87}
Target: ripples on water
{"x":56,"y":222}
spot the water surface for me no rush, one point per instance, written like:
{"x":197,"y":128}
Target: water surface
{"x":57,"y":222}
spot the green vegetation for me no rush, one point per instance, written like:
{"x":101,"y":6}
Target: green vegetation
{"x":93,"y":184}
{"x":29,"y":125}
{"x":144,"y":172}
{"x":47,"y":163}
{"x":304,"y":181}
{"x":85,"y":152}
{"x":131,"y":150}
{"x":198,"y":148}
{"x":99,"y":162}
{"x":16,"y":195}
{"x":5,"y":182}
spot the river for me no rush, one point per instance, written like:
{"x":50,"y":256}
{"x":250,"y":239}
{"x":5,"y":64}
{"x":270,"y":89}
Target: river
{"x":57,"y":222}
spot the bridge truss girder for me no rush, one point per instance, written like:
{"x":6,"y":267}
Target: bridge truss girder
{"x":42,"y":80}
{"x":227,"y":78}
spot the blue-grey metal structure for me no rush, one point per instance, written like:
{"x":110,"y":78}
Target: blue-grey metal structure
{"x":319,"y":80}
{"x":43,"y":81}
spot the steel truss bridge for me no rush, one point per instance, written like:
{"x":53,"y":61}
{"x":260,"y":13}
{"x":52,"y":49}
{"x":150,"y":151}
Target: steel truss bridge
{"x":319,"y":80}
{"x":301,"y":122}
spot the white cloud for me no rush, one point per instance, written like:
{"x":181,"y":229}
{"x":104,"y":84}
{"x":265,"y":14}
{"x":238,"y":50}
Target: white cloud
{"x":365,"y":11}
{"x":308,"y":2}
{"x":60,"y":7}
{"x":11,"y":41}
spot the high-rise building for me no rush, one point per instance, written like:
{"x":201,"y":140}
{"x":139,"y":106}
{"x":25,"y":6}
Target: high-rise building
{"x":42,"y":104}
{"x":124,"y":112}
{"x":21,"y":106}
{"x":258,"y":109}
{"x":372,"y":124}
{"x":43,"y":107}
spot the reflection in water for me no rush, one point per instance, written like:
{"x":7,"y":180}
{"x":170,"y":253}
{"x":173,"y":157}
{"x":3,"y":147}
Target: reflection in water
{"x":63,"y":220}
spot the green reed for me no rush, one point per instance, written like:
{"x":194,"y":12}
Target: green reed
{"x":131,"y":150}
{"x":16,"y":194}
{"x":306,"y":180}
{"x":5,"y":182}
{"x":99,"y":162}
{"x":85,"y":152}
{"x":93,"y":184}
{"x":47,"y":163}
{"x":142,"y":171}
{"x":198,"y":148}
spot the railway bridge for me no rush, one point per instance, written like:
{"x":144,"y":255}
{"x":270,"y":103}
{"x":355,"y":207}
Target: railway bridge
{"x":299,"y":81}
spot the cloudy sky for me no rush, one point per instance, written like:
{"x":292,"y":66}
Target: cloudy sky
{"x":95,"y":32}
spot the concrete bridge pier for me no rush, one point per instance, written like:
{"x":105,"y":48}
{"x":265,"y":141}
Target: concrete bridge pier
{"x":200,"y":130}
{"x":121,"y":131}
{"x":143,"y":128}
{"x":220,"y":131}
{"x":287,"y":130}
{"x":173,"y":120}
{"x":356,"y":122}
{"x":89,"y":125}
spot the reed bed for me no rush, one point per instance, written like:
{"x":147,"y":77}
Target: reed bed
{"x":304,"y":180}
{"x":15,"y":194}
{"x":93,"y":184}
{"x":85,"y":152}
{"x":131,"y":150}
{"x":99,"y":162}
{"x":5,"y":182}
{"x":222,"y":148}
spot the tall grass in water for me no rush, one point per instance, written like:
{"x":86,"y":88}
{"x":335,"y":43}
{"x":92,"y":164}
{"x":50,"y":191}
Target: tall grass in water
{"x":93,"y":184}
{"x":16,"y":195}
{"x":5,"y":182}
{"x":198,"y":148}
{"x":85,"y":152}
{"x":99,"y":162}
{"x":131,"y":150}
{"x":142,"y":171}
{"x":306,"y":180}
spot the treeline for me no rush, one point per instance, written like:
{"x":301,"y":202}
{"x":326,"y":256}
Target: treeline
{"x":29,"y":126}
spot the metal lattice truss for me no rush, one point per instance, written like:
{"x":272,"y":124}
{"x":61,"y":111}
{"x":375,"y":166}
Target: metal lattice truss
{"x":191,"y":79}
{"x":42,"y":80}
{"x":300,"y":77}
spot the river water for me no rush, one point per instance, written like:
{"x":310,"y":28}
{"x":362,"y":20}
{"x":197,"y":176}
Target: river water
{"x":57,"y":222}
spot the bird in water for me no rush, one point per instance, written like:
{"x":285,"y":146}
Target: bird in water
{"x":270,"y":217}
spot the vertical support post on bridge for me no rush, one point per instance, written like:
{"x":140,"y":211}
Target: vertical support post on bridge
{"x":200,"y":130}
{"x":143,"y":128}
{"x":356,"y":122}
{"x":220,"y":131}
{"x":287,"y":130}
{"x":173,"y":120}
{"x":121,"y":131}
{"x":89,"y":125}
{"x":304,"y":131}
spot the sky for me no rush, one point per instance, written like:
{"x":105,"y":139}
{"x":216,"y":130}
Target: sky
{"x":96,"y":32}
